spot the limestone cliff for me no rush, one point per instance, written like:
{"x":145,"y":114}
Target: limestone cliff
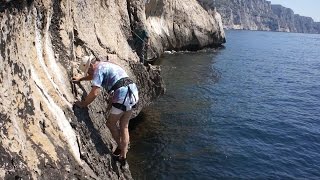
{"x":179,"y":25}
{"x":260,"y":15}
{"x":183,"y":25}
{"x":243,"y":14}
{"x":42,"y":136}
{"x":289,"y":22}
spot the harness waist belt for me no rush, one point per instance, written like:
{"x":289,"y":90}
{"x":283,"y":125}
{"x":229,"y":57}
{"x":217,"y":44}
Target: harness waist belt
{"x":120,"y":83}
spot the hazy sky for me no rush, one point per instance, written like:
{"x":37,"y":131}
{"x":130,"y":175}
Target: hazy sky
{"x":309,"y":8}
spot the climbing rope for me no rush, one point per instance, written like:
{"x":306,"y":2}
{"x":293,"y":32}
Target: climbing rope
{"x":143,"y":42}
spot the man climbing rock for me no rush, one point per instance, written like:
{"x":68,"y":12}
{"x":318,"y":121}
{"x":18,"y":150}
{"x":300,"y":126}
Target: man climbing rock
{"x":124,"y":94}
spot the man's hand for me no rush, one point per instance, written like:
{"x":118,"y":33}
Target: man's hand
{"x":76,"y":79}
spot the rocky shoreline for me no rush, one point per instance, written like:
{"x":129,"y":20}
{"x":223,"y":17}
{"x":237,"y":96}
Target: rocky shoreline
{"x":42,"y":135}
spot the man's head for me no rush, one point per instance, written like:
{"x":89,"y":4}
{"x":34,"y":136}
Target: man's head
{"x":86,"y":63}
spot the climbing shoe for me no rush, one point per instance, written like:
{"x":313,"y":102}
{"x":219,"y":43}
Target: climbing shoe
{"x":123,"y":161}
{"x":117,"y":152}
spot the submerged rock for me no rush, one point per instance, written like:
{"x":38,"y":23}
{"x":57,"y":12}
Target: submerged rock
{"x":42,"y":135}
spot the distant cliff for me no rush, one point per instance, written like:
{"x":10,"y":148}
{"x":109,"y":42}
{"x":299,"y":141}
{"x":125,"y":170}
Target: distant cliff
{"x":260,"y":15}
{"x":42,"y":136}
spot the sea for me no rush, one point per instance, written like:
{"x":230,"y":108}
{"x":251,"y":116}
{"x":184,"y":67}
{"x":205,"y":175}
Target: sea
{"x":248,"y":110}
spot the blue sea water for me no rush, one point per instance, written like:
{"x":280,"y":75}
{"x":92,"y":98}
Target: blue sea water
{"x":250,"y":110}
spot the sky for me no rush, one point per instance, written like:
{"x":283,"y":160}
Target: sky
{"x":310,"y":8}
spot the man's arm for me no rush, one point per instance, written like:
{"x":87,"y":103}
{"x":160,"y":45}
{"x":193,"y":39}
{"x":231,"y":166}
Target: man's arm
{"x":95,"y":91}
{"x":78,"y":78}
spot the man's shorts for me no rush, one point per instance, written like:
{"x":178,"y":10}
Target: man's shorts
{"x":123,"y":99}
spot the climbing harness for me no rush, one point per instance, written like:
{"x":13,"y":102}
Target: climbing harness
{"x":123,"y":82}
{"x":120,"y":83}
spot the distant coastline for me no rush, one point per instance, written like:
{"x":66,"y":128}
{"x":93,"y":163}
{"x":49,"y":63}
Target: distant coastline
{"x":261,"y":15}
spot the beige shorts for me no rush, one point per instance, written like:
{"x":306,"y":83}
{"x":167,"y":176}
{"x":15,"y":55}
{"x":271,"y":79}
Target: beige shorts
{"x":115,"y":110}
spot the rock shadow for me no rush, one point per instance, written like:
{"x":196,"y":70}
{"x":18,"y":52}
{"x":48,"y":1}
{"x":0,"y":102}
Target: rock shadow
{"x":14,"y":4}
{"x":89,"y":132}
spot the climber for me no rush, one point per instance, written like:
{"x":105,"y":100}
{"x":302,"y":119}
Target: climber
{"x":124,"y":95}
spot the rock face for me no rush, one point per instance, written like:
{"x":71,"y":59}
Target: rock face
{"x":183,"y":25}
{"x":260,"y":15}
{"x":42,"y":136}
{"x":179,"y":25}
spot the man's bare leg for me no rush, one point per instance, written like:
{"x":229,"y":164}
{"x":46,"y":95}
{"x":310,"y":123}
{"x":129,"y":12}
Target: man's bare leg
{"x":112,"y":125}
{"x":124,"y":133}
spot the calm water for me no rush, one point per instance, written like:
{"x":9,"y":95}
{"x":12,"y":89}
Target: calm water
{"x":248,"y":111}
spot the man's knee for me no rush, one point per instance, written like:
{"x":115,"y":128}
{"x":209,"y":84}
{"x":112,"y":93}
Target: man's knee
{"x":124,"y":127}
